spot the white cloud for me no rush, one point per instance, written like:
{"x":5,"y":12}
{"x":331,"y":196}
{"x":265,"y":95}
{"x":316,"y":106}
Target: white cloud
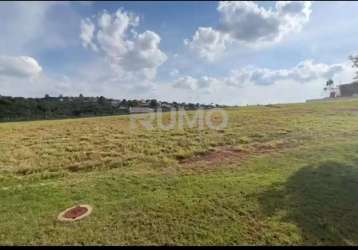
{"x":203,"y":83}
{"x":247,"y":23}
{"x":134,"y":56}
{"x":144,"y":53}
{"x":208,"y":43}
{"x":21,"y":66}
{"x":186,"y":82}
{"x":305,"y":72}
{"x":293,"y":15}
{"x":87,"y":32}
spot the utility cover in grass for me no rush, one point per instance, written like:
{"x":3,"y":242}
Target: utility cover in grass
{"x":75,"y":213}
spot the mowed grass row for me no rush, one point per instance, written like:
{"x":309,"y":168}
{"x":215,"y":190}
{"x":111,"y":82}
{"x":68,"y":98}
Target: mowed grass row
{"x":299,"y":192}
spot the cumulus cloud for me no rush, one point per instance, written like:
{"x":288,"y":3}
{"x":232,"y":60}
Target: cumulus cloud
{"x":203,"y":84}
{"x":249,"y":24}
{"x":19,"y":67}
{"x":304,"y":72}
{"x":129,"y":53}
{"x":186,"y":82}
{"x":208,"y":43}
{"x":246,"y":21}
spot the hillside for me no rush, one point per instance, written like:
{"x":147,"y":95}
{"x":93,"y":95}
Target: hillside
{"x":277,"y":174}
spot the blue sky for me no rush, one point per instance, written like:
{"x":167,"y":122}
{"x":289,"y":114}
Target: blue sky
{"x":228,"y":53}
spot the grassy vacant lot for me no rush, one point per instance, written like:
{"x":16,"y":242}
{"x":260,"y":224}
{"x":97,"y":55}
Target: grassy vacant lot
{"x":285,"y":174}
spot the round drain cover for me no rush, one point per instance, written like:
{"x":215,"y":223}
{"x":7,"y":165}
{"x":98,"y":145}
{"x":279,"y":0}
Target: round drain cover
{"x":75,"y":213}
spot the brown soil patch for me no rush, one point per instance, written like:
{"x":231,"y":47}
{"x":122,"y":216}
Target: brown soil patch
{"x":216,"y":156}
{"x":228,"y":154}
{"x":265,"y":148}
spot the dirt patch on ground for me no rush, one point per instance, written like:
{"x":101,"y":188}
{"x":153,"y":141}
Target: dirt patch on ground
{"x":348,"y":110}
{"x":216,"y":156}
{"x":230,"y":154}
{"x":272,"y":106}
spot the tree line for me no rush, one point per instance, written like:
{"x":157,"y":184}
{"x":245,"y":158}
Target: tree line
{"x":47,"y":107}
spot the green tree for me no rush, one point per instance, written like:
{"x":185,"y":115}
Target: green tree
{"x":101,"y":100}
{"x":329,"y":84}
{"x":330,"y":88}
{"x":153,"y":103}
{"x":354,"y":60}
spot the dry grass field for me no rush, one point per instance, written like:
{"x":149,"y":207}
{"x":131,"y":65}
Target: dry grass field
{"x":279,"y":174}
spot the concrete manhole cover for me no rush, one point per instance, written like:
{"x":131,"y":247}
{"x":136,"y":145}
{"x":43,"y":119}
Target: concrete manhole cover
{"x":75,"y":213}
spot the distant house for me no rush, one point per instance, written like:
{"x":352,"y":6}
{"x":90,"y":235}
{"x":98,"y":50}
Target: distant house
{"x":138,"y":110}
{"x":116,"y":103}
{"x":144,"y":103}
{"x":166,"y":105}
{"x":347,"y":90}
